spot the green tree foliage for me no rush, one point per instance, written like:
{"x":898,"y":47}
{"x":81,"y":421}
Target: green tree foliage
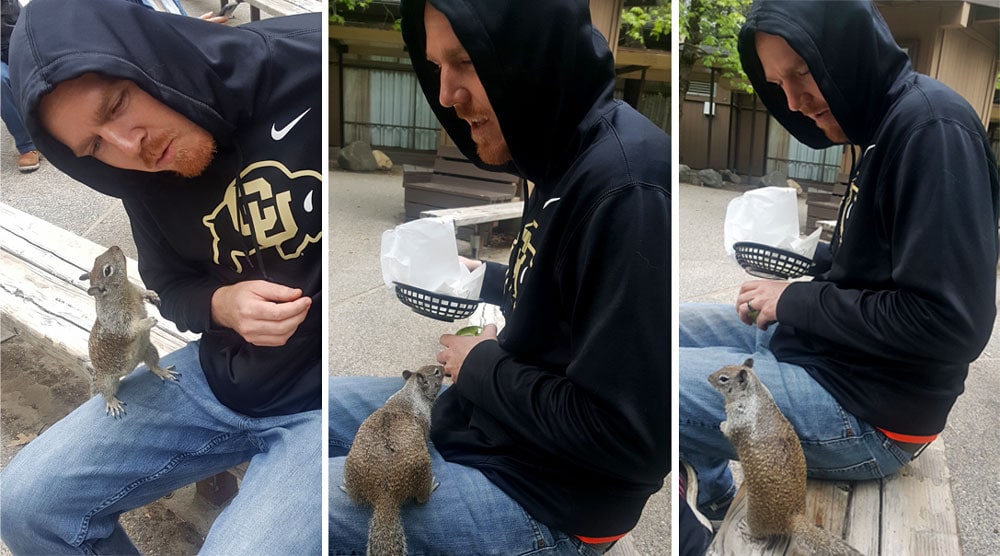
{"x":708,"y":36}
{"x":639,"y":22}
{"x":338,"y":7}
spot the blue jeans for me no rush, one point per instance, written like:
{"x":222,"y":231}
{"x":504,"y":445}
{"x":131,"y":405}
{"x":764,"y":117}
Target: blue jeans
{"x":11,"y":115}
{"x":467,"y":515}
{"x":837,"y":445}
{"x":63,"y":493}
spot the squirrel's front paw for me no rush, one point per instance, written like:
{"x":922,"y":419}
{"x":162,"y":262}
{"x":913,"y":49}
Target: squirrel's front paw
{"x":115,"y":408}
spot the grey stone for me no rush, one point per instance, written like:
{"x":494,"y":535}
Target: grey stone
{"x":731,"y":177}
{"x":357,"y":157}
{"x":710,"y":178}
{"x":775,"y":178}
{"x":686,"y":175}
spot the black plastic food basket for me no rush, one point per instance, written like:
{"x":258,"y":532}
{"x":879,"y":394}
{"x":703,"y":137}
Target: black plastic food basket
{"x":435,"y":305}
{"x":765,"y":261}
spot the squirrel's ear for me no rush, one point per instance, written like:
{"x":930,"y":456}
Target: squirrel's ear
{"x":85,"y":276}
{"x":748,"y":363}
{"x":407,"y":374}
{"x":742,"y":376}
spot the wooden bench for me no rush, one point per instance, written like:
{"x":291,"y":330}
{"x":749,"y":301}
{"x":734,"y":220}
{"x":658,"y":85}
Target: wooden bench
{"x":481,"y":217}
{"x":459,"y":189}
{"x":41,"y":292}
{"x":911,"y":513}
{"x":454,"y":182}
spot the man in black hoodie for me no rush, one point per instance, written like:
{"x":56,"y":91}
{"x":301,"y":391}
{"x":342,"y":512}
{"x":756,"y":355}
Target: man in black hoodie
{"x":211,"y":136}
{"x":555,"y":432}
{"x":867,"y":359}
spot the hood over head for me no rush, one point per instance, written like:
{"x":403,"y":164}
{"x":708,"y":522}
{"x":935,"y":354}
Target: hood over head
{"x":543,"y":66}
{"x":850,"y":53}
{"x":210,"y":73}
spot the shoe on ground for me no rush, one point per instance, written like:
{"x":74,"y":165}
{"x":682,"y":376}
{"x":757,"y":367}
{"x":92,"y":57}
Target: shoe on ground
{"x":28,"y":162}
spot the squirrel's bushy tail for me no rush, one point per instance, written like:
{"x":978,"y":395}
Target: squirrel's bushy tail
{"x":385,"y":532}
{"x":808,"y":539}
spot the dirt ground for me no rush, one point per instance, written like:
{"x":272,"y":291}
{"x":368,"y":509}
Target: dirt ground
{"x":36,"y":390}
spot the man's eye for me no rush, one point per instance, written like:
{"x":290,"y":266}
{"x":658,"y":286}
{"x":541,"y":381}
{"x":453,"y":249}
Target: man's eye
{"x":119,"y":104}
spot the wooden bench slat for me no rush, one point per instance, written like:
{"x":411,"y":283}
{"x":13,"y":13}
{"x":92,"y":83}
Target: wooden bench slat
{"x":864,"y":529}
{"x":479,"y":214}
{"x":287,"y":7}
{"x":468,"y":169}
{"x":481,"y":195}
{"x":42,"y":264}
{"x":918,"y":511}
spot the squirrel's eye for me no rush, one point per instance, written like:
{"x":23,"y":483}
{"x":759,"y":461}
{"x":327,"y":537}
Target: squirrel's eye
{"x":108,"y":270}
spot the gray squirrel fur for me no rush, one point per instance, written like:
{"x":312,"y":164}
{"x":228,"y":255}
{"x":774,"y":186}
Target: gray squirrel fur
{"x":389,"y":462}
{"x":119,"y":339}
{"x":774,"y":466}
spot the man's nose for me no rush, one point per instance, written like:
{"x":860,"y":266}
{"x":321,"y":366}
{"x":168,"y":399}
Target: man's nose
{"x":453,"y":91}
{"x":126,"y":139}
{"x":796,"y":95}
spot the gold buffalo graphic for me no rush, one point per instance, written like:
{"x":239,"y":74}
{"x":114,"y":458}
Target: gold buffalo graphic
{"x":273,"y":195}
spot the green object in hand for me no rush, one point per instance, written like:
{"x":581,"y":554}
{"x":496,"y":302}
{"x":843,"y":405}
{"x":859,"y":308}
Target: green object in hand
{"x":470,"y":331}
{"x":753,"y":315}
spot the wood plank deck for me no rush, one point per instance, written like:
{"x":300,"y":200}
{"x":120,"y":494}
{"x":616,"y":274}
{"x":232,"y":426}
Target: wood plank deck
{"x":911,"y":513}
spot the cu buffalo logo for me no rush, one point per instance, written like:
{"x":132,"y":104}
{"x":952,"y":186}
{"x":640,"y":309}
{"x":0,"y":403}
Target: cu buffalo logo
{"x":279,"y":210}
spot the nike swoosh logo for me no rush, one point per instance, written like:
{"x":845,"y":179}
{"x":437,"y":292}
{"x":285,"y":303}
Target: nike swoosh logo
{"x":279,"y":134}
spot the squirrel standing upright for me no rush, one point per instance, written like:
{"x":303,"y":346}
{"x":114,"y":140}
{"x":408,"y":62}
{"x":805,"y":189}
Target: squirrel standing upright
{"x":119,"y":339}
{"x":774,"y":466}
{"x":389,"y":463}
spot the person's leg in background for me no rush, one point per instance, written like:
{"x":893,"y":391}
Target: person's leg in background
{"x":29,"y":160}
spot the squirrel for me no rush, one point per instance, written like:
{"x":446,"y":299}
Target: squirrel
{"x":774,"y":466}
{"x":119,"y":339}
{"x":389,"y":463}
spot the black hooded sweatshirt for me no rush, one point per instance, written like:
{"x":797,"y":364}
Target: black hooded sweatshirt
{"x":569,"y":411}
{"x":889,"y":329}
{"x":256,"y":211}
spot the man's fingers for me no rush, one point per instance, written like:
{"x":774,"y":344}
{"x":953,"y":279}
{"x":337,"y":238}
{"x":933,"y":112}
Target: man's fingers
{"x":275,"y":292}
{"x":284,"y":311}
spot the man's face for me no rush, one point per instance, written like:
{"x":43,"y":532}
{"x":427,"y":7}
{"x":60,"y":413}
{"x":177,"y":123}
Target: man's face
{"x":461,"y":88}
{"x":116,"y":122}
{"x":789,"y":71}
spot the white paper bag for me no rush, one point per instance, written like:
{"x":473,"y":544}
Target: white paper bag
{"x":769,"y":215}
{"x":423,"y":254}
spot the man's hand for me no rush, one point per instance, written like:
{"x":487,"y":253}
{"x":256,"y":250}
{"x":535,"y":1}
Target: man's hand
{"x":757,"y":302}
{"x":457,"y":348}
{"x":470,"y":264}
{"x":264,"y":313}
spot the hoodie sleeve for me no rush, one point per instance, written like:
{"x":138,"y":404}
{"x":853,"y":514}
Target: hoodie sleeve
{"x":185,"y":291}
{"x":942,"y":234}
{"x":610,"y":409}
{"x":493,"y":279}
